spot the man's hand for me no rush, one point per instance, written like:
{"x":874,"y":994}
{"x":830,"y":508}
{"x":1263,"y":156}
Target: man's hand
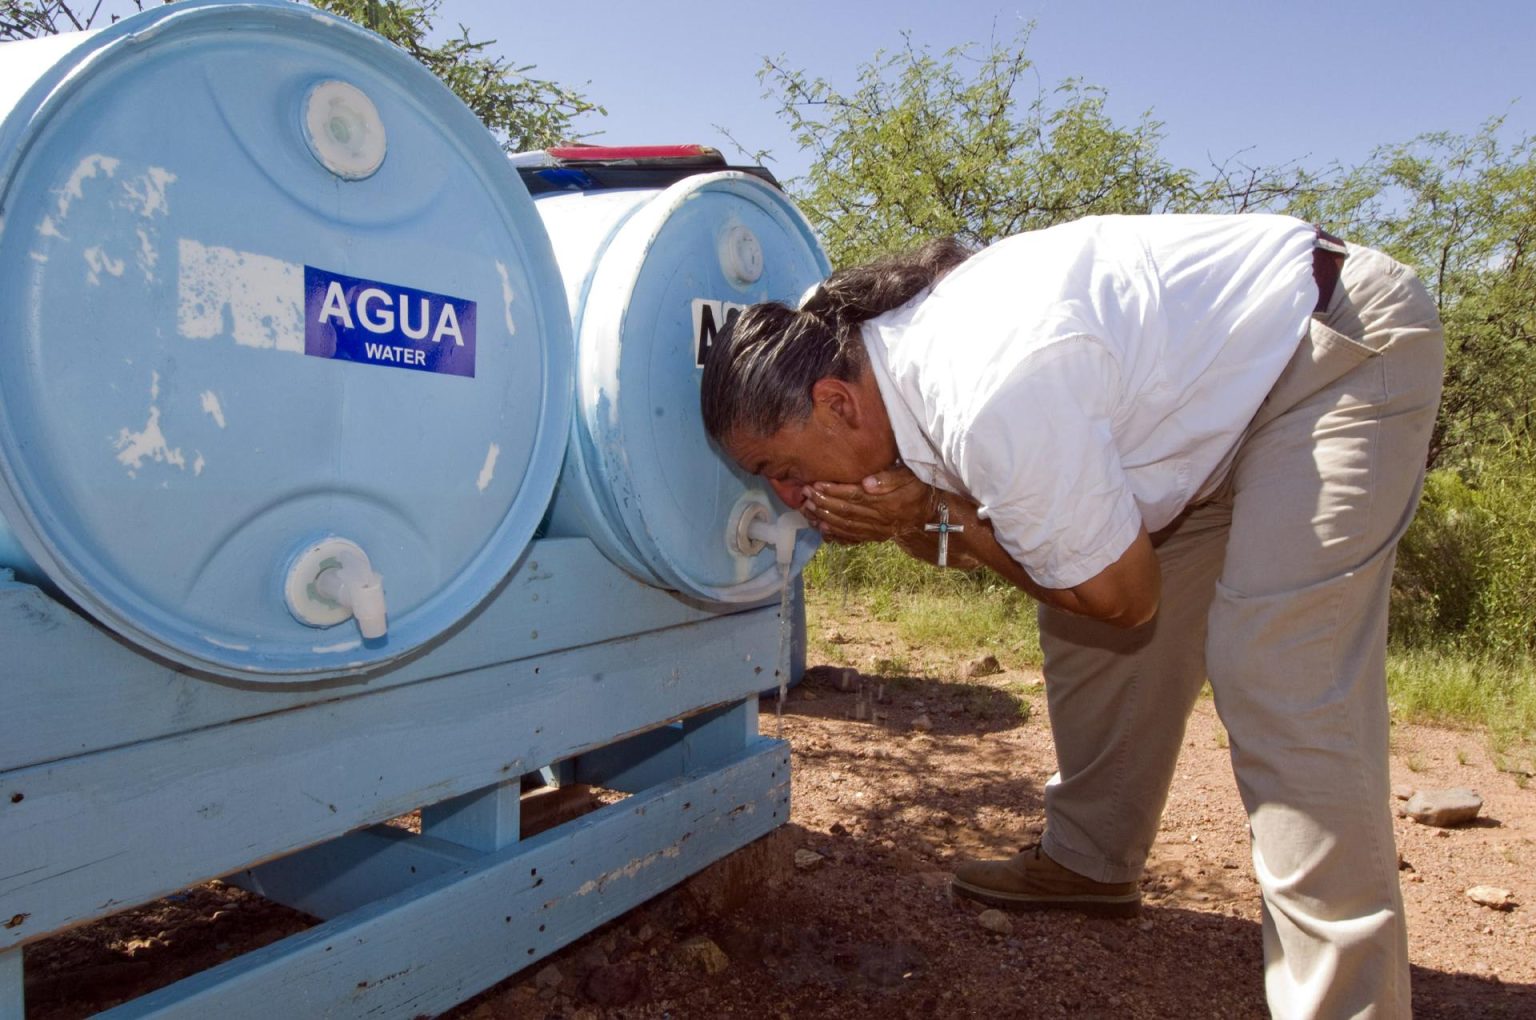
{"x":889,"y":504}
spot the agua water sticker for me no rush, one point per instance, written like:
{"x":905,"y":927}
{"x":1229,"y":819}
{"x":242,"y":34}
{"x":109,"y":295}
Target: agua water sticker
{"x":351,"y":319}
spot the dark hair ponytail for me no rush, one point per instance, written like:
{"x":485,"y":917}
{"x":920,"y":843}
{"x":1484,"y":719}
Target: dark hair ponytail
{"x":759,"y":371}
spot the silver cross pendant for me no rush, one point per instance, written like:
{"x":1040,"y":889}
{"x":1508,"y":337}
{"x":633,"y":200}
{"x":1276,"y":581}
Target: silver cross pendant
{"x":944,"y":528}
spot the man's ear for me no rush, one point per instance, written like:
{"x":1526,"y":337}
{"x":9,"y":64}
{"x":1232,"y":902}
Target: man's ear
{"x":836,"y":397}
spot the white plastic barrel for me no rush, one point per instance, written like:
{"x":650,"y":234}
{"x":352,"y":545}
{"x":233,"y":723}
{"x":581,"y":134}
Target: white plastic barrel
{"x":284,"y":356}
{"x":651,"y":275}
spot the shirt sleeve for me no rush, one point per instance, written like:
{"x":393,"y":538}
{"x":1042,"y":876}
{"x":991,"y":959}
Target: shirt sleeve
{"x":1040,"y":459}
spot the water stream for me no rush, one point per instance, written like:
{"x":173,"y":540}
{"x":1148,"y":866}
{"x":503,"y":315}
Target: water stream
{"x":781,"y":667}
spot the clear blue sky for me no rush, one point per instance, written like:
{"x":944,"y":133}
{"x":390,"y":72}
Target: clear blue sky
{"x":1302,"y":80}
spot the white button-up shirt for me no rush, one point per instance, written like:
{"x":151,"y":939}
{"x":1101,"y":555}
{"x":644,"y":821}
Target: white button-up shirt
{"x":1083,"y":381}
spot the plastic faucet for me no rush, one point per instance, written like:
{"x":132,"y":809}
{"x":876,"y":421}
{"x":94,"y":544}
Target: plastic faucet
{"x":757,"y":529}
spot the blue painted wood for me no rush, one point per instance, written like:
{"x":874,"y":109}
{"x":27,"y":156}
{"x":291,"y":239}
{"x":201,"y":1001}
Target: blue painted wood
{"x":636,"y":763}
{"x":431,"y":946}
{"x":12,"y":1003}
{"x":483,"y":820}
{"x":90,"y":833}
{"x":718,"y":734}
{"x":353,"y":870}
{"x":70,"y":688}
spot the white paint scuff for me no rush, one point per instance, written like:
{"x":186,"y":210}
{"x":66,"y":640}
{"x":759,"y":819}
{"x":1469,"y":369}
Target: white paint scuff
{"x":147,"y":192}
{"x":261,"y":297}
{"x":507,"y":297}
{"x":147,"y":257}
{"x":89,"y":167}
{"x":149,"y":443}
{"x":488,"y":469}
{"x":97,"y":261}
{"x":212,"y":407}
{"x":629,"y":870}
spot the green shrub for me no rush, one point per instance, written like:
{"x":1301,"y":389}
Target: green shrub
{"x":1441,"y":564}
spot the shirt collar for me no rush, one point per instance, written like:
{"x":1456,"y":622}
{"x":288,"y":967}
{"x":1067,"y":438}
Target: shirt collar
{"x":916,"y":449}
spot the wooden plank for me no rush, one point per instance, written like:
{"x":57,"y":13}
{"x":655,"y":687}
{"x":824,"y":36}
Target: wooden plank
{"x":71,"y":686}
{"x":361,"y":867}
{"x":718,"y":734}
{"x":425,"y":949}
{"x":634,"y":764}
{"x":99,"y":832}
{"x":13,"y":1004}
{"x":657,"y":755}
{"x":483,"y":820}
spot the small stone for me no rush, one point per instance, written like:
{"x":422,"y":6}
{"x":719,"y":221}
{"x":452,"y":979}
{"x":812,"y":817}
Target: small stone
{"x":839,"y":829}
{"x":987,"y":665}
{"x":995,"y":921}
{"x":1492,"y":897}
{"x":805,"y":860}
{"x":616,"y":985}
{"x":922,"y":723}
{"x":1145,"y":924}
{"x":1402,"y":792}
{"x":549,"y":977}
{"x":1444,"y":808}
{"x":1443,"y":834}
{"x":701,"y":952}
{"x":808,"y":695}
{"x":645,"y":933}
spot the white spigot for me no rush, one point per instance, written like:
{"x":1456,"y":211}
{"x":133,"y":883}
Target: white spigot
{"x":332,"y":581}
{"x":757,"y":528}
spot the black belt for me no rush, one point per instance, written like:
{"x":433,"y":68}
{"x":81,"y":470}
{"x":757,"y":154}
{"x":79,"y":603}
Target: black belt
{"x":1328,"y":256}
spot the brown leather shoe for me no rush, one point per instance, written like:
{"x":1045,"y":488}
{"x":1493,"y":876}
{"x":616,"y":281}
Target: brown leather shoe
{"x":1032,"y":881}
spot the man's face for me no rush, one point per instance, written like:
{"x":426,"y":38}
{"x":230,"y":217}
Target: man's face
{"x":799,"y":454}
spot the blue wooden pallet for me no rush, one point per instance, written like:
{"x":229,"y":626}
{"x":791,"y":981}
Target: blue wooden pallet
{"x":123,"y":779}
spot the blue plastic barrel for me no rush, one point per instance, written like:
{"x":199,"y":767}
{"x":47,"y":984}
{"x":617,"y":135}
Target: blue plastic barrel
{"x":651,"y":275}
{"x":285,"y":359}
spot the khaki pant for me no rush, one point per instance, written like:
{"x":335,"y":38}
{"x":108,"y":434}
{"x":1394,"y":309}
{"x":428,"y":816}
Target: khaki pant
{"x":1276,"y":589}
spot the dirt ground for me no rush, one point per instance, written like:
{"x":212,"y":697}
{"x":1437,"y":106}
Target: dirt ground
{"x":895,"y":779}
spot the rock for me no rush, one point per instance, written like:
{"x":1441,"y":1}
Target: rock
{"x":615,"y":985}
{"x":805,"y":860}
{"x":922,"y":723}
{"x":549,"y":977}
{"x":839,"y":829}
{"x":987,"y":665}
{"x":1402,"y":792}
{"x":1492,"y":897}
{"x":995,"y":921}
{"x":591,"y":958}
{"x":701,"y":952}
{"x":1444,"y":808}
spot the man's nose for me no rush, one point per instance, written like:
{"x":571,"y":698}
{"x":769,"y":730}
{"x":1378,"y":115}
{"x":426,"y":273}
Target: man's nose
{"x":790,"y":492}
